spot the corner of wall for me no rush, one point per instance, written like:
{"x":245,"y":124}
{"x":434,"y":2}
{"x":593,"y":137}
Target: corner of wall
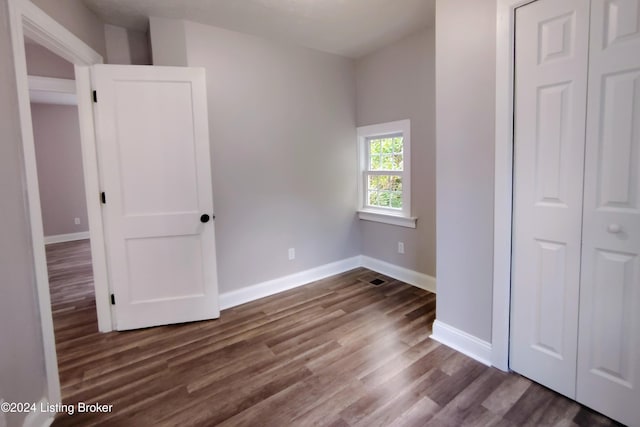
{"x":168,"y":41}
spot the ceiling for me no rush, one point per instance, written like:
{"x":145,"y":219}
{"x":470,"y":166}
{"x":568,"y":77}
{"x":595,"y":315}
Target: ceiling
{"x":351,"y":28}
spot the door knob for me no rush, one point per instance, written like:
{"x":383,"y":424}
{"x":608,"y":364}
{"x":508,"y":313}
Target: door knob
{"x":204,"y":218}
{"x":614,"y":228}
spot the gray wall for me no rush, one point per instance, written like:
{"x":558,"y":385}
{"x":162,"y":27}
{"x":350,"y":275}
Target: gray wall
{"x":127,"y":47}
{"x":43,"y":62}
{"x":22,"y":376}
{"x":282,"y":122}
{"x":465,"y":114}
{"x":139,"y":47}
{"x":56,"y":132}
{"x":395,"y":83}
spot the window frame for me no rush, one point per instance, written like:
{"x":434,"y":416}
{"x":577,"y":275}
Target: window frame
{"x":401,"y":217}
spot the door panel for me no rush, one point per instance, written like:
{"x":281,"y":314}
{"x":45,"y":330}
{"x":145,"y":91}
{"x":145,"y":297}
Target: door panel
{"x":618,"y":158}
{"x":619,"y":21}
{"x":551,"y":85}
{"x":609,"y":344}
{"x":153,"y":142}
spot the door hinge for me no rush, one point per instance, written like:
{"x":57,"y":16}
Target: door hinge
{"x":113,"y":299}
{"x":95,"y":96}
{"x":103,"y":198}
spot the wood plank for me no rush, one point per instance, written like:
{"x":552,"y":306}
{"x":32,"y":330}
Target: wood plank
{"x":338,"y":351}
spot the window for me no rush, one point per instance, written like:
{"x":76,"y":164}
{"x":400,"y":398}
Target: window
{"x":384,"y":176}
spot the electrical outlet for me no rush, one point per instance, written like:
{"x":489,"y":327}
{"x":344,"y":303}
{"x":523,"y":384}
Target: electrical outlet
{"x":76,"y":221}
{"x":292,"y":254}
{"x":400,"y":247}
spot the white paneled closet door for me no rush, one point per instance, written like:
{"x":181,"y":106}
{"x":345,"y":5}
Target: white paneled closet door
{"x":551,"y":90}
{"x":609,"y":340}
{"x":576,"y":230}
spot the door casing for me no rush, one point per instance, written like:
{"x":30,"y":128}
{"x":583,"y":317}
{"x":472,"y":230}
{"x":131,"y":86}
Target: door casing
{"x":503,"y":179}
{"x":26,"y":19}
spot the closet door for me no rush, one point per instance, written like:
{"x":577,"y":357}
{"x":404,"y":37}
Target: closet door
{"x":609,"y":341}
{"x":551,"y":83}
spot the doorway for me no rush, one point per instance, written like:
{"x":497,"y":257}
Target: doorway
{"x":56,"y":132}
{"x":27,"y":21}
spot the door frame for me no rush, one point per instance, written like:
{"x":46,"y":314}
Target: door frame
{"x":503,"y":180}
{"x":26,"y":19}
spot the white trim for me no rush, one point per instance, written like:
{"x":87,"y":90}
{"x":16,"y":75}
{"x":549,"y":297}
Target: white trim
{"x":26,"y":19}
{"x":281,"y":284}
{"x":70,"y":237}
{"x":49,"y":90}
{"x":271,"y":287}
{"x":39,"y":418}
{"x":51,"y":84}
{"x":45,"y":31}
{"x":505,"y":35}
{"x":106,"y":323}
{"x":463,"y":342}
{"x":398,"y":127}
{"x":402,"y":221}
{"x":414,"y":278}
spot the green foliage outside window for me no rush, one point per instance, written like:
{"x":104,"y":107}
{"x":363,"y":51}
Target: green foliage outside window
{"x":385,"y":154}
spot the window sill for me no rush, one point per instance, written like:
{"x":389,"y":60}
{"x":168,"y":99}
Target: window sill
{"x":402,"y":221}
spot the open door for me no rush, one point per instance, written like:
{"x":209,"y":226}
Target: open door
{"x":153,"y":149}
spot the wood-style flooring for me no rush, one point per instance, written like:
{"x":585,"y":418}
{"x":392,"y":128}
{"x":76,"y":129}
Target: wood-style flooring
{"x":337,"y":352}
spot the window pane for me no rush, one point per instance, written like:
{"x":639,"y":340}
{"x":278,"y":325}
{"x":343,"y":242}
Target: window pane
{"x":374,"y":146}
{"x":396,"y":200}
{"x":396,"y":183}
{"x":383,"y":198}
{"x":386,"y":154}
{"x":374,"y":163}
{"x":373,"y":198}
{"x":385,"y":182}
{"x":387,"y":145}
{"x":384,"y":191}
{"x":387,"y":162}
{"x":397,"y":162}
{"x":374,"y":182}
{"x":397,"y":144}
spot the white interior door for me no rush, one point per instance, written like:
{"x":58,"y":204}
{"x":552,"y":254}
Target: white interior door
{"x":551,"y":86}
{"x":153,"y":144}
{"x":609,"y":343}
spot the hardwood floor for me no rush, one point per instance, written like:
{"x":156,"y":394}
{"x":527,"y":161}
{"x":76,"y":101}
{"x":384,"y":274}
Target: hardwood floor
{"x":338,"y":352}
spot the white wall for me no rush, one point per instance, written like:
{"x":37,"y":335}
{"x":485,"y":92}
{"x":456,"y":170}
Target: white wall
{"x":282,"y":122}
{"x":465,"y":114}
{"x":395,"y":83}
{"x":22,"y":375}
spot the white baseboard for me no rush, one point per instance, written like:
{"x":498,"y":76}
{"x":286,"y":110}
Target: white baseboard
{"x":281,"y":284}
{"x":463,"y":342}
{"x":419,"y":280}
{"x":271,"y":287}
{"x":60,"y":238}
{"x":39,"y":418}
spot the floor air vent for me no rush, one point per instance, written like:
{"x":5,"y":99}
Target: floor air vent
{"x":377,"y":282}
